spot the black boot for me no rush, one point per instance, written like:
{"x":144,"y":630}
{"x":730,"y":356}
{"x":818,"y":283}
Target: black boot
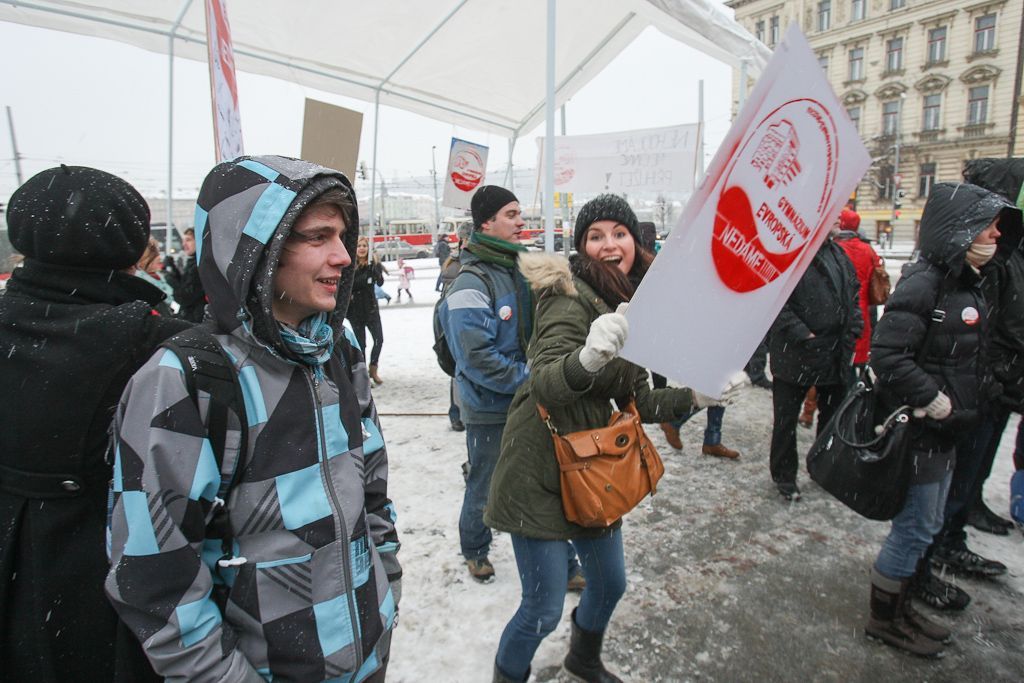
{"x":888,"y":622}
{"x":583,"y":663}
{"x":918,"y":621}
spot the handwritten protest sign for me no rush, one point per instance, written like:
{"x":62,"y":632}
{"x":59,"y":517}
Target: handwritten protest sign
{"x":650,"y":160}
{"x":467,"y":168}
{"x":747,"y":235}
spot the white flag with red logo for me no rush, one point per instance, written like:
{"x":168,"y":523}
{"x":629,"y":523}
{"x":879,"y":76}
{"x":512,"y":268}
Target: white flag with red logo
{"x":770,"y":196}
{"x":467,"y":169}
{"x":227,"y":122}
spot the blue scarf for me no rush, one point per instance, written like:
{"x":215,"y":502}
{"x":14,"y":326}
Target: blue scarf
{"x":312,"y":342}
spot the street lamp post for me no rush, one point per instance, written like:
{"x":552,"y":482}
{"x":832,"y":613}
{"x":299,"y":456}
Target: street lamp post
{"x":437,"y":204}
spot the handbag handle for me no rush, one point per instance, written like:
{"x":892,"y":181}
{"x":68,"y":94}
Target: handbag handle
{"x":629,"y":409}
{"x":897,"y":416}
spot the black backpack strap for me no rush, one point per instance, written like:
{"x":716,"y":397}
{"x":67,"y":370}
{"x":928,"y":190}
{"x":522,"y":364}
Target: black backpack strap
{"x":208,"y":368}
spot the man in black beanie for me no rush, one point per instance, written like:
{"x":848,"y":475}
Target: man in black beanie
{"x":486,"y":316}
{"x":75,"y":324}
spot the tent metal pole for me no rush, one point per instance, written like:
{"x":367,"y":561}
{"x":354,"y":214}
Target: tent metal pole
{"x":510,"y":174}
{"x":373,"y":175}
{"x":419,"y":46}
{"x":565,"y":203}
{"x":170,"y":124}
{"x":700,"y":128}
{"x":743,"y":86}
{"x":549,"y":138}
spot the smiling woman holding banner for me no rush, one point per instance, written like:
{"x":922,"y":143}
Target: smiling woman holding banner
{"x":575,"y":374}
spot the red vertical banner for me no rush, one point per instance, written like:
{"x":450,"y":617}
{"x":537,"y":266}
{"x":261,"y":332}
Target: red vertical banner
{"x":227,"y":123}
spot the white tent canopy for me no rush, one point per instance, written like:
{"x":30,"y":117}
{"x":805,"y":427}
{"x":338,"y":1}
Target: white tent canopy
{"x":474,"y":63}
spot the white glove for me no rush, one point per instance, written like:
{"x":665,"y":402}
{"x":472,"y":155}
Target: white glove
{"x":939,"y":409}
{"x":732,"y":389}
{"x":703,"y":400}
{"x":607,"y":335}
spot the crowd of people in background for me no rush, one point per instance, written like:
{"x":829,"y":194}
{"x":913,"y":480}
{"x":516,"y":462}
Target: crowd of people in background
{"x":194,"y":477}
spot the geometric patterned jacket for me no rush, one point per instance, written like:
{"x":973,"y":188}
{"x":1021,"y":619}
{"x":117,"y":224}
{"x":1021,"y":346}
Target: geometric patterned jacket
{"x":309,"y":592}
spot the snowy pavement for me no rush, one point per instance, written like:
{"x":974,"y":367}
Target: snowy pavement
{"x":725,"y":581}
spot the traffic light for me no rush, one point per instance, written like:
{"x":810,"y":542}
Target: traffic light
{"x":897,"y":201}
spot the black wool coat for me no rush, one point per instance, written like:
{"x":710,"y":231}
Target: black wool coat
{"x":943,"y":291}
{"x":363,"y":305}
{"x":826,"y":303}
{"x":69,"y":341}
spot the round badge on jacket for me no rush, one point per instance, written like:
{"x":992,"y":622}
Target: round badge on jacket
{"x":970,"y":315}
{"x":505,"y":312}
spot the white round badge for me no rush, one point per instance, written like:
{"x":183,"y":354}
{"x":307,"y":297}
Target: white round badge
{"x":505,"y":312}
{"x":970,"y":315}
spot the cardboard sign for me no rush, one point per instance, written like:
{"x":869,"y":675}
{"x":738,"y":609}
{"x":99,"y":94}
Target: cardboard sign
{"x":227,"y":122}
{"x":467,"y":169}
{"x":330,"y":136}
{"x":650,"y":160}
{"x":770,"y":196}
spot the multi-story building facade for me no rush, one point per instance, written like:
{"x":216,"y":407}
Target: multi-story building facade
{"x":929,"y":84}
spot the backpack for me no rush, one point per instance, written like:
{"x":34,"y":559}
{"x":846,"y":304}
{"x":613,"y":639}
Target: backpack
{"x":441,"y":349}
{"x":208,"y":367}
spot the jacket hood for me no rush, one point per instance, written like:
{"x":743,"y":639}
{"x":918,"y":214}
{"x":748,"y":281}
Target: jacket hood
{"x":547,"y":273}
{"x":246,"y":209}
{"x":955,"y":214}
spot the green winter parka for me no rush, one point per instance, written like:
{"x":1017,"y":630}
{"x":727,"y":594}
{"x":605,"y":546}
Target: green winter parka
{"x":525,"y":496}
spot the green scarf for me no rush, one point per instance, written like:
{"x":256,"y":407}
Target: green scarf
{"x":499,"y":252}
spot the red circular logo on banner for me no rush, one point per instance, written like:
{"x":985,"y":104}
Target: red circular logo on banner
{"x":467,"y":170}
{"x":788,"y":164}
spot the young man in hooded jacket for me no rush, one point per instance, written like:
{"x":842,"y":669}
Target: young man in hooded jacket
{"x":312,"y":581}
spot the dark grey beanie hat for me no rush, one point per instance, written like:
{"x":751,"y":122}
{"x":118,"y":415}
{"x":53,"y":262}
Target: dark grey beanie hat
{"x":605,"y":207}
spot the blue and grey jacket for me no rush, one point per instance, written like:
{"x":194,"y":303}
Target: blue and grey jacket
{"x":483,"y":337}
{"x":310,"y":594}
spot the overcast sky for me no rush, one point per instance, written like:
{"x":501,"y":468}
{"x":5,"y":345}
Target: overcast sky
{"x":88,"y":101}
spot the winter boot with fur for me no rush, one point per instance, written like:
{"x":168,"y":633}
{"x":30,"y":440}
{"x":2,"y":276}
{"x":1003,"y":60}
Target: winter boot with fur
{"x":583,"y":663}
{"x":888,"y":622}
{"x":374,"y":376}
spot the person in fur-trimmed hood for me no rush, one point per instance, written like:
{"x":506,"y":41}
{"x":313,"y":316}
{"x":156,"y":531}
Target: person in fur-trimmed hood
{"x":313,"y":583}
{"x":579,"y":329}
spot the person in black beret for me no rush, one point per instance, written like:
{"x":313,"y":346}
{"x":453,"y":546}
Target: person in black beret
{"x":74,"y":326}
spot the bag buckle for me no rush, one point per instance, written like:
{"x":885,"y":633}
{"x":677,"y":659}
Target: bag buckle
{"x":938,"y":315}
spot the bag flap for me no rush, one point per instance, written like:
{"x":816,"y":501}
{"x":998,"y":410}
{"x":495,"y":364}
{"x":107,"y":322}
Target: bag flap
{"x":615,"y":439}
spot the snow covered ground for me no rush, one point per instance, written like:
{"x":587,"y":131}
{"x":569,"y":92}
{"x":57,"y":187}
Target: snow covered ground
{"x":726,"y":582}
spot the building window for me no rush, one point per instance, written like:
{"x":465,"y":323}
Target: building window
{"x":823,"y":63}
{"x":985,"y":33}
{"x":937,"y":45}
{"x":891,"y":117}
{"x":824,"y":15}
{"x":857,"y":64}
{"x":857,"y":9}
{"x":773,"y":31}
{"x":759,"y":30}
{"x":925,"y":179}
{"x":854,"y":114}
{"x":897,"y":4}
{"x":977,"y":105}
{"x":932,"y":109}
{"x":894,"y":55}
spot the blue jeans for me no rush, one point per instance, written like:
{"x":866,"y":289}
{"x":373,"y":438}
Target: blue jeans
{"x":913,"y":529}
{"x":483,"y":443}
{"x":713,"y":430}
{"x":542,"y":574}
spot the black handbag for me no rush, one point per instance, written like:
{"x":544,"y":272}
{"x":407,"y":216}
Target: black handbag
{"x":862,"y":460}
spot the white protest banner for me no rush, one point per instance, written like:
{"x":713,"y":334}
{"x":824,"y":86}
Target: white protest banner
{"x":227,"y":123}
{"x":649,"y":160}
{"x":772,"y":192}
{"x":467,"y":168}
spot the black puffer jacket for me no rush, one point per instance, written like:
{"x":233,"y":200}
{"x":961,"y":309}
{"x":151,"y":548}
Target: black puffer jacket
{"x":941,"y":281}
{"x":825,"y":303}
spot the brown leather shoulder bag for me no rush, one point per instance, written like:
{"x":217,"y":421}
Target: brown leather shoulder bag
{"x":605,"y":472}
